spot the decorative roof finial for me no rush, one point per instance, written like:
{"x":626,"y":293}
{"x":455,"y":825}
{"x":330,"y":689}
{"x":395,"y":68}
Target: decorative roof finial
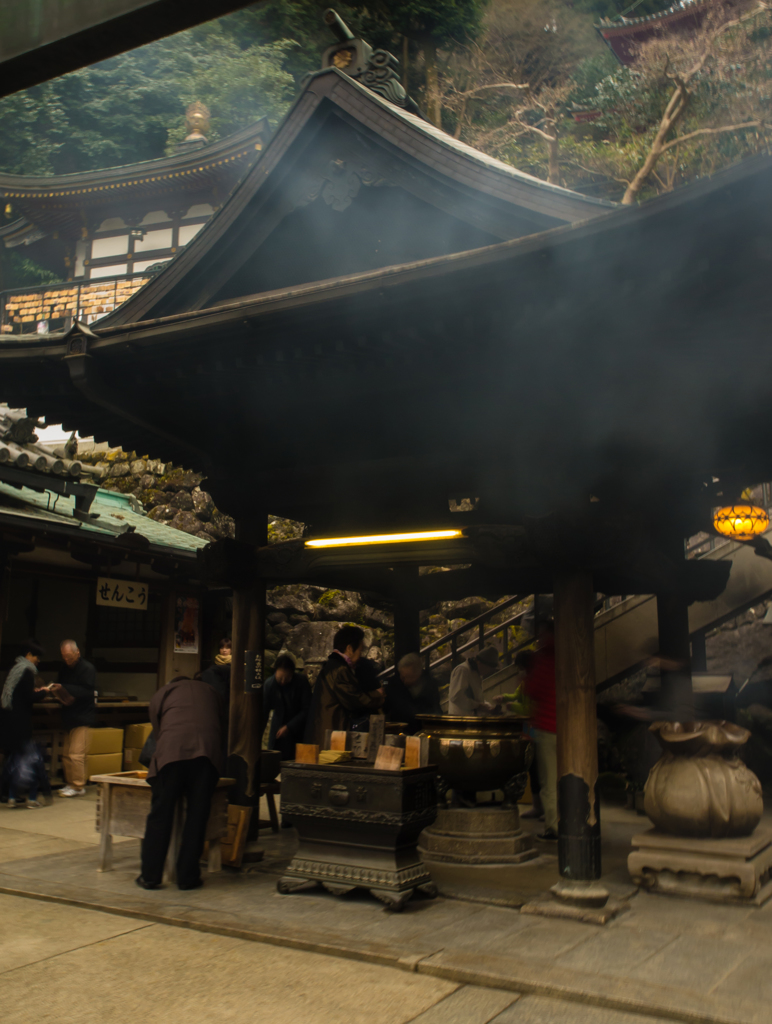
{"x":197,"y":121}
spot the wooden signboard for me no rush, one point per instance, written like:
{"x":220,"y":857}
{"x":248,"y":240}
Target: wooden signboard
{"x":235,"y":839}
{"x":307,"y":753}
{"x":389,"y":759}
{"x":338,"y":739}
{"x":131,"y":595}
{"x":377,"y":733}
{"x":416,"y":751}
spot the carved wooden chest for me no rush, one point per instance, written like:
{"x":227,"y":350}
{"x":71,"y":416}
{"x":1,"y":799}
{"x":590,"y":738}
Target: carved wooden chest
{"x":359,"y":827}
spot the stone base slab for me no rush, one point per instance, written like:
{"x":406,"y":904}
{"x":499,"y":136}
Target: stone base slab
{"x":721,"y":870}
{"x":587,"y":915}
{"x":477,"y":835}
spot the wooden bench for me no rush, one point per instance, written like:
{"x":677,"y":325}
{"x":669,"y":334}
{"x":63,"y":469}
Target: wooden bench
{"x":122,"y":809}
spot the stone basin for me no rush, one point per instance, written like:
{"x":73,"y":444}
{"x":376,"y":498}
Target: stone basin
{"x":479,"y":753}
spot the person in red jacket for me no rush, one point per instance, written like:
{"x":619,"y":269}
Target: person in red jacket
{"x":540,"y":690}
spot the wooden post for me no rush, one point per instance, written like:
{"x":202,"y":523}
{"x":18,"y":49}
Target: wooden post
{"x":245,"y":718}
{"x":407,"y":613}
{"x":577,"y":731}
{"x":699,"y":653}
{"x":676,"y":693}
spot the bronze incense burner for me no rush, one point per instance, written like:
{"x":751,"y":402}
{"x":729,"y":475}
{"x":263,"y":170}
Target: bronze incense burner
{"x":474,"y":753}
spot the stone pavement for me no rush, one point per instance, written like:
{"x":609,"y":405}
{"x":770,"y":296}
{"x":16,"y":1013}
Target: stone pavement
{"x":665,"y":959}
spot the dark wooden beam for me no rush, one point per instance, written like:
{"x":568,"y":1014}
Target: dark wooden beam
{"x":42,"y":39}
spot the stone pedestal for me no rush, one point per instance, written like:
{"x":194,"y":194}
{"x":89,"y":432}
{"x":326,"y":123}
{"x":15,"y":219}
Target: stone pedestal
{"x":724,"y":870}
{"x":476,"y":835}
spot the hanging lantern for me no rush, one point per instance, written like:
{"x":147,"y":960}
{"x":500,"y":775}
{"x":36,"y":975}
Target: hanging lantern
{"x":740,"y":522}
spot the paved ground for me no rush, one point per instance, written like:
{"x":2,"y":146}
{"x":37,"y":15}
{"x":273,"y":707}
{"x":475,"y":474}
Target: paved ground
{"x":236,"y":949}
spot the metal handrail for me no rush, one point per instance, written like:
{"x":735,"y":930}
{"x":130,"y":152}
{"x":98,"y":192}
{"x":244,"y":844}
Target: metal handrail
{"x":479,"y":623}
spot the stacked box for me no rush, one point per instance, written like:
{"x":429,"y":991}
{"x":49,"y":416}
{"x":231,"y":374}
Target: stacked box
{"x":104,"y":753}
{"x":134,"y":740}
{"x":103,"y":764}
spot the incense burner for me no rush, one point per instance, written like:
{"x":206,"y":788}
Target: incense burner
{"x":474,"y":754}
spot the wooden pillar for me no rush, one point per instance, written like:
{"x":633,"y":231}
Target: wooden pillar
{"x":699,"y":653}
{"x":5,"y":582}
{"x":407,"y":611}
{"x":245,"y":718}
{"x":577,"y":730}
{"x":676,"y":693}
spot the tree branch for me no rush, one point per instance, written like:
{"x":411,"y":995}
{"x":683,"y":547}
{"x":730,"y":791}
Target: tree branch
{"x":486,"y":88}
{"x":711,"y":131}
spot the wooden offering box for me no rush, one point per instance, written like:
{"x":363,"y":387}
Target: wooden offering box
{"x":359,"y":827}
{"x":123,"y":806}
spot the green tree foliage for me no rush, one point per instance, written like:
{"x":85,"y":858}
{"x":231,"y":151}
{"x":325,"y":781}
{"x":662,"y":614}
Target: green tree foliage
{"x":128,"y":108}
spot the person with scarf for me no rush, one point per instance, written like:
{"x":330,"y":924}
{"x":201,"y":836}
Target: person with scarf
{"x":218,"y":674}
{"x":25,"y":762}
{"x":338,"y":700}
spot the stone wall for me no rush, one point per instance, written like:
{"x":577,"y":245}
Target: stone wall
{"x":168,"y":493}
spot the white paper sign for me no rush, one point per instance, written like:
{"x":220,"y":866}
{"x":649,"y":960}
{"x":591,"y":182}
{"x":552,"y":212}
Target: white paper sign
{"x":122,"y":594}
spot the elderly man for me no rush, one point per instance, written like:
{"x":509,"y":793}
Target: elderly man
{"x":465,"y":694}
{"x":75,"y":689}
{"x":188,"y":719}
{"x":412,"y":692}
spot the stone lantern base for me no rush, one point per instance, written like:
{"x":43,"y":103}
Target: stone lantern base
{"x":723,"y":870}
{"x":476,"y":835}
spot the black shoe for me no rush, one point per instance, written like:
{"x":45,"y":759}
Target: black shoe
{"x":549,"y":835}
{"x":194,"y":885}
{"x":147,"y":885}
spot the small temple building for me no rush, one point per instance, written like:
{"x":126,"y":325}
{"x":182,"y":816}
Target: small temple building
{"x":116,"y":226}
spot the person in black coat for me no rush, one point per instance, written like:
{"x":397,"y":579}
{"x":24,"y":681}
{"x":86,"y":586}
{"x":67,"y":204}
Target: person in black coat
{"x":76,"y":690}
{"x":25,"y":769}
{"x":218,"y":675}
{"x":288,"y":694}
{"x":412,"y":692}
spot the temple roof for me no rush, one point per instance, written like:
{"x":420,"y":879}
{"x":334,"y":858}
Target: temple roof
{"x":115,"y":515}
{"x":615,"y":356}
{"x":50,"y":202}
{"x":19,"y":448}
{"x":343,"y":146}
{"x":624,"y":35}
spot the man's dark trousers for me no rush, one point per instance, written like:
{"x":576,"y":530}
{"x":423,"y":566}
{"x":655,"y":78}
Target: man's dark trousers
{"x":195,"y":780}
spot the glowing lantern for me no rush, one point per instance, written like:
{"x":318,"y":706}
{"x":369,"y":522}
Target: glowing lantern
{"x":740,"y":522}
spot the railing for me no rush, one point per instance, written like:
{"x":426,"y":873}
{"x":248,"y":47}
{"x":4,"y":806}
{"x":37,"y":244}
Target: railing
{"x":483,"y":635}
{"x":53,"y":307}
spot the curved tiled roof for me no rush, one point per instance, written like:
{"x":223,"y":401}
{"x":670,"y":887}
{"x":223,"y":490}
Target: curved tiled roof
{"x":19,"y":448}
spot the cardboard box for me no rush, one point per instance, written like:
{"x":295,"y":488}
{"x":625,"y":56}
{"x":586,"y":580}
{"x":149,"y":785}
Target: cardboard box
{"x":105,"y":741}
{"x":131,"y":759}
{"x":135,"y":735}
{"x":103,"y":764}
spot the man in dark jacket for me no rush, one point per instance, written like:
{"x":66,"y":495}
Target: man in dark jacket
{"x":338,"y":698}
{"x":188,"y":719}
{"x":288,"y":694}
{"x":412,"y":692}
{"x":218,"y":674}
{"x":75,"y":689}
{"x":19,"y":693}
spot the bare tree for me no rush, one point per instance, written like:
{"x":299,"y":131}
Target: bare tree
{"x":723,"y":53}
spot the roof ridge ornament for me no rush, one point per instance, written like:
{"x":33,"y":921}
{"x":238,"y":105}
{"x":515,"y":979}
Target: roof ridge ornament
{"x":377,"y":70}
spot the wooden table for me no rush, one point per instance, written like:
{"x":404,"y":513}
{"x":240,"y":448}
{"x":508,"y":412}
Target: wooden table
{"x":122,"y":810}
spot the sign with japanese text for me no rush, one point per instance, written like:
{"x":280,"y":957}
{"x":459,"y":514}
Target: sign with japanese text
{"x":122,"y":594}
